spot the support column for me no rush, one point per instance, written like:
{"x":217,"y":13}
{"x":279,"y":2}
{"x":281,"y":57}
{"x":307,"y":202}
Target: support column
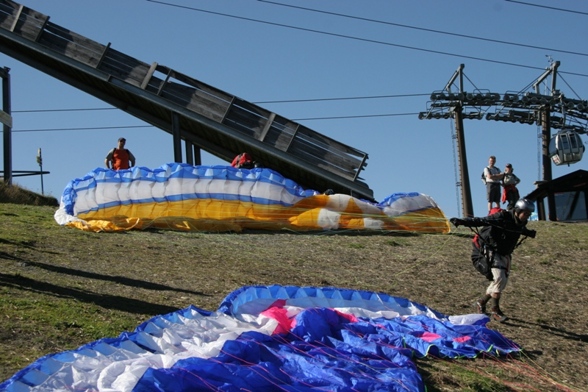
{"x":547,"y":175}
{"x":7,"y":121}
{"x":197,"y":155}
{"x":177,"y":139}
{"x":466,"y":194}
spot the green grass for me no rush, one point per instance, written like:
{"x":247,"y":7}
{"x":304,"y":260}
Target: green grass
{"x":61,"y":288}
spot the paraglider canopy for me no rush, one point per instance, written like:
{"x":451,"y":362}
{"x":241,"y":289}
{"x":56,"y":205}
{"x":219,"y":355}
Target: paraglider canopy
{"x":272,"y":338}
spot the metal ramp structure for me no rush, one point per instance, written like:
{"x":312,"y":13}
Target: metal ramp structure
{"x":198,"y":114}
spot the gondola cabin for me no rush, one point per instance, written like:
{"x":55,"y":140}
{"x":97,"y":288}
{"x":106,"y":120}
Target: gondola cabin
{"x":566,"y":147}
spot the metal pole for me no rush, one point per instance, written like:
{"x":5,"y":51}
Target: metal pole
{"x":547,"y":176}
{"x":6,"y":107}
{"x":545,"y":137}
{"x":177,"y":140}
{"x":197,"y":155}
{"x":40,"y":162}
{"x":466,"y":195}
{"x":189,"y":152}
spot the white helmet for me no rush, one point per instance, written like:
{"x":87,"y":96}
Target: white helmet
{"x":524,"y":205}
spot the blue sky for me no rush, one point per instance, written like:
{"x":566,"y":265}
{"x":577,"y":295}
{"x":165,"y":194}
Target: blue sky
{"x":389,"y":55}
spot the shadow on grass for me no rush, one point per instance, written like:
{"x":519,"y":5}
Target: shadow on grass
{"x":116,"y":279}
{"x":113,"y":302}
{"x":337,"y":232}
{"x":4,"y":255}
{"x":24,"y":244}
{"x":553,"y":330}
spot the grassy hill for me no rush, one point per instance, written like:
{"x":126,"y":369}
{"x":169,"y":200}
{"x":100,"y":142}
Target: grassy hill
{"x":61,"y":288}
{"x":19,"y":195}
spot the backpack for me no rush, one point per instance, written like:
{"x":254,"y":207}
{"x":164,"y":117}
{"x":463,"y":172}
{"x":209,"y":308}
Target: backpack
{"x":484,"y":174}
{"x":114,"y":149}
{"x":482,"y":255}
{"x":494,"y":210}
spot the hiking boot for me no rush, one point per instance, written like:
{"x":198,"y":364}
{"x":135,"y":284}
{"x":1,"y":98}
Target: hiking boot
{"x":481,"y":307}
{"x":498,"y":315}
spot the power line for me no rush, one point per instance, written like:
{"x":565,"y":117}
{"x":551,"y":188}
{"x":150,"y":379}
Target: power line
{"x":59,"y":110}
{"x":319,"y":99}
{"x":343,"y":98}
{"x":327,"y":33}
{"x":79,"y":129}
{"x":359,"y":116}
{"x":424,"y":29}
{"x":357,"y":38}
{"x":255,"y":102}
{"x":551,"y":8}
{"x":149,"y":126}
{"x":258,"y":102}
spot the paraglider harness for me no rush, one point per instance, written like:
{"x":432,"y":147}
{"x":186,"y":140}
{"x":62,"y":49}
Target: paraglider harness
{"x":485,"y":261}
{"x":483,"y":176}
{"x":116,"y":148}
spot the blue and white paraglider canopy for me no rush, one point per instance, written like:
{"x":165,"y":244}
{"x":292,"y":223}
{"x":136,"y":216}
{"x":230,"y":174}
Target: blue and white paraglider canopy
{"x":271,"y":338}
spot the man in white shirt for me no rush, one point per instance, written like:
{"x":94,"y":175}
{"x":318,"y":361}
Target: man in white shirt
{"x":493,"y":177}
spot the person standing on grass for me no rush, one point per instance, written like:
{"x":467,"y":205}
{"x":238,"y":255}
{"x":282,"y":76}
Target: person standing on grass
{"x":510,"y":193}
{"x":119,"y":158}
{"x":493,"y":248}
{"x":492,"y":178}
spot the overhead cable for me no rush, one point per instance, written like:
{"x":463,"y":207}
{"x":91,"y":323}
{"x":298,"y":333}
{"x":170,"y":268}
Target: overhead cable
{"x":425,"y":29}
{"x":545,"y":6}
{"x":357,"y":38}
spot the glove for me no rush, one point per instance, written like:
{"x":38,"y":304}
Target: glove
{"x":531,"y":233}
{"x":457,"y":222}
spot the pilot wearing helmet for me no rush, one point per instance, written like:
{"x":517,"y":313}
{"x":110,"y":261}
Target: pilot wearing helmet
{"x":493,"y":246}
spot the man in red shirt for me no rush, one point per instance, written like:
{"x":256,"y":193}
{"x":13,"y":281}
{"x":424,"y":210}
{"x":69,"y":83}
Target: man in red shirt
{"x":119,"y":158}
{"x":243,"y":161}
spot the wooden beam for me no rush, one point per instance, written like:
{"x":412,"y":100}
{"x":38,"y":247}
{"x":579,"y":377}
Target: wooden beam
{"x":267,"y":126}
{"x":103,"y":55}
{"x":41,"y":29}
{"x":16,"y":18}
{"x":293,"y":137}
{"x":149,"y":75}
{"x":5,"y":118}
{"x":228,"y":110}
{"x":169,"y":73}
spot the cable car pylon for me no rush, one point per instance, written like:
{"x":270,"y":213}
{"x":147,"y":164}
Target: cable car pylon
{"x":549,"y":111}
